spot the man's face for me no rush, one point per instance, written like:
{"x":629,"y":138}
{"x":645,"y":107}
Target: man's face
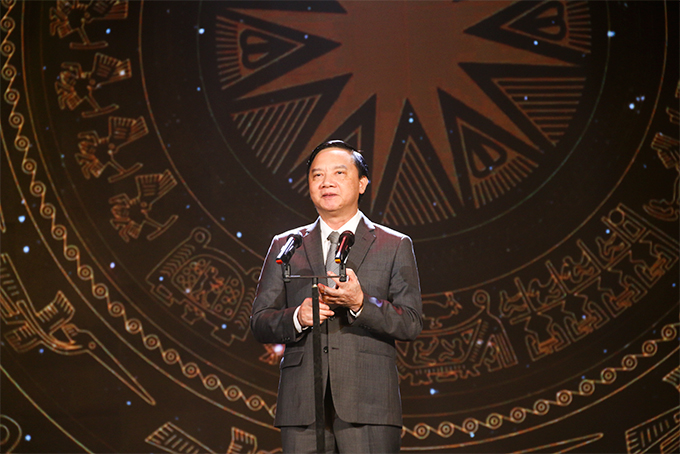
{"x":334,"y":184}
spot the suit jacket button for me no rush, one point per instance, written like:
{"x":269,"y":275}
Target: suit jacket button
{"x":325,"y":349}
{"x":331,"y":318}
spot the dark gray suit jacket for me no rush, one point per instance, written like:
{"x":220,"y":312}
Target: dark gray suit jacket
{"x":359,"y":353}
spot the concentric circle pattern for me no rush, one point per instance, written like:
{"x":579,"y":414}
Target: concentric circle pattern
{"x":151,"y":149}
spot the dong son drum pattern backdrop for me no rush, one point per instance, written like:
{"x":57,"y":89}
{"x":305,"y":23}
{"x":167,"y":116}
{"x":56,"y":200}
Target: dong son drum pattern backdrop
{"x":151,"y":149}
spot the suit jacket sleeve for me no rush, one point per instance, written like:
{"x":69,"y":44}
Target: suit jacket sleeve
{"x":399,"y":315}
{"x":272,"y":320}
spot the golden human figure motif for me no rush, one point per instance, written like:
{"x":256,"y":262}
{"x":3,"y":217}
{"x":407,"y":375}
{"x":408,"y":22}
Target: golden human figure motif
{"x":71,"y":16}
{"x":131,"y":214}
{"x":96,"y":153}
{"x":74,"y":86}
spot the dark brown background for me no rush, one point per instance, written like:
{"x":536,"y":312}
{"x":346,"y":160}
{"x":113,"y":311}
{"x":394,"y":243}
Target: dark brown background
{"x":152,"y":149}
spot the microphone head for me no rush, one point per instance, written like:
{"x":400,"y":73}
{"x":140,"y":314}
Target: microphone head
{"x":348,"y":236}
{"x":297,"y":239}
{"x":345,"y":242}
{"x":293,"y":242}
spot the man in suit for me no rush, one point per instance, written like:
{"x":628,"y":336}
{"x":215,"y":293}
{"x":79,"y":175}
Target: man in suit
{"x":361,"y":318}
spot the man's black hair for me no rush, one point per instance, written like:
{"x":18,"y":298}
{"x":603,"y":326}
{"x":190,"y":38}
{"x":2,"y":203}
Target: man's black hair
{"x":359,"y":160}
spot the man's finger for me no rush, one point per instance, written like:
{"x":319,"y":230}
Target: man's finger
{"x":330,"y":292}
{"x":324,"y":289}
{"x":335,"y":279}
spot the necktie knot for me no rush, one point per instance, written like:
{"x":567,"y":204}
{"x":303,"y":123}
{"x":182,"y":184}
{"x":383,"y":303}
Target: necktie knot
{"x":333,"y":237}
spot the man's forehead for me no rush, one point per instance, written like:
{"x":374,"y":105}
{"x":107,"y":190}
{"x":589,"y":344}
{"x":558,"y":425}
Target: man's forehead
{"x":337,"y":157}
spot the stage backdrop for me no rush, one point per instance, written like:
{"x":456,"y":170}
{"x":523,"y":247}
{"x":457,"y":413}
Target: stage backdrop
{"x":150,"y":150}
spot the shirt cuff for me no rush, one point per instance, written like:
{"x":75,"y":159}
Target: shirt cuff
{"x":357,"y":313}
{"x":298,"y":327}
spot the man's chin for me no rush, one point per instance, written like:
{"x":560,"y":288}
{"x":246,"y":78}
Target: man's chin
{"x":329,"y":209}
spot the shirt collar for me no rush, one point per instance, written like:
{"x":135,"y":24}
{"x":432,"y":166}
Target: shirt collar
{"x":350,"y":225}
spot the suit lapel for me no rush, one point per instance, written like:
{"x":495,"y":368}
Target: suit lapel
{"x":363,"y":239}
{"x":312,"y":245}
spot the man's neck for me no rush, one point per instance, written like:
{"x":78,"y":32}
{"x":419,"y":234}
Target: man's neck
{"x":335,"y":222}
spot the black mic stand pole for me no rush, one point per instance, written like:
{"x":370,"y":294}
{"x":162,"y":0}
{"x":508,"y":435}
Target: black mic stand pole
{"x":316,"y":349}
{"x":318,"y":380}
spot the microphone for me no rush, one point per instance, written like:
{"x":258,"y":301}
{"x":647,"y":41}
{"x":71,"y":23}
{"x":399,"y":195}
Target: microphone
{"x":345,"y":242}
{"x":293,"y":242}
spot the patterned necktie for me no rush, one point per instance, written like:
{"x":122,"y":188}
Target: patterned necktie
{"x":330,"y":258}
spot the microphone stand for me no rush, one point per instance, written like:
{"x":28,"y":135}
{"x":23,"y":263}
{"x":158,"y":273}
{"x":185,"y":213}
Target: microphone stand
{"x":316,"y":348}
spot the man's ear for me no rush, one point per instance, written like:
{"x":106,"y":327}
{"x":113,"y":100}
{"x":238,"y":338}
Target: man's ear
{"x":363,"y":184}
